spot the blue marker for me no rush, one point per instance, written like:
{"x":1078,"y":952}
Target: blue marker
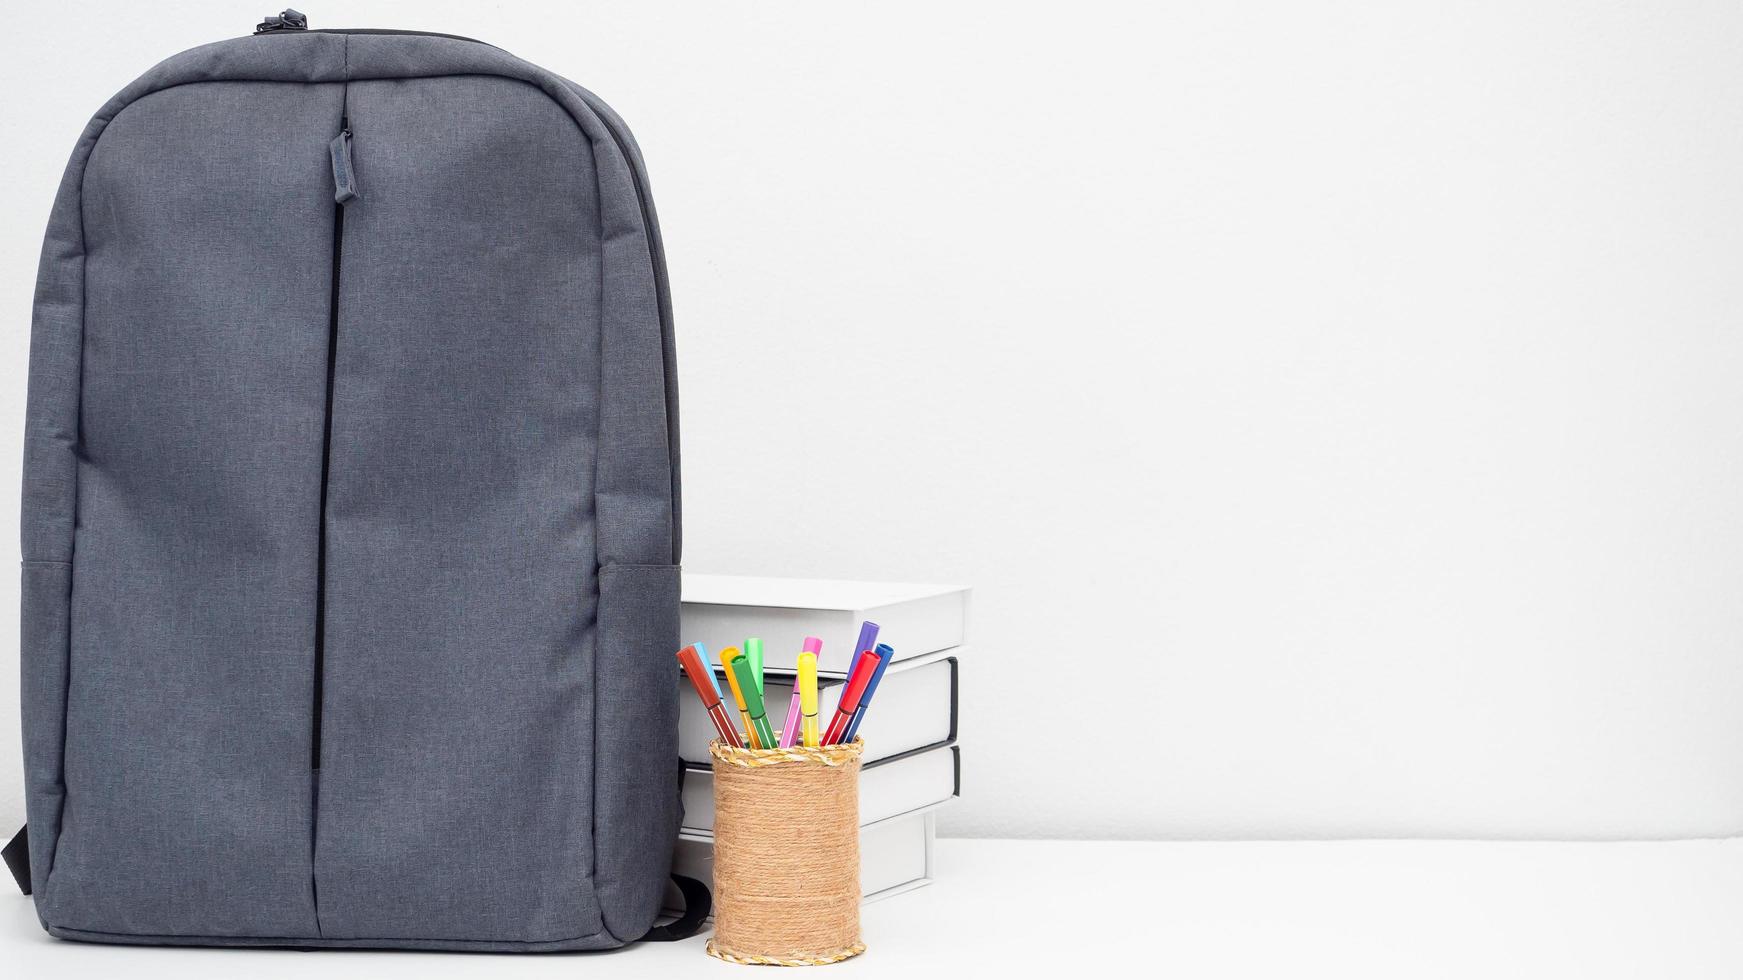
{"x":708,"y":667}
{"x":885,"y":655}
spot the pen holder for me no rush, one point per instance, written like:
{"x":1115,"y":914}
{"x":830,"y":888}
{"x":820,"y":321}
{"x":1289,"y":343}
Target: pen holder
{"x":786,"y":855}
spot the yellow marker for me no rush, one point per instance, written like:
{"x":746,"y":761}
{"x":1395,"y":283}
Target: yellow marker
{"x":727,"y":656}
{"x":808,"y":699}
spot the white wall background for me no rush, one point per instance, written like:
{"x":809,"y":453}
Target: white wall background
{"x":1336,"y":405}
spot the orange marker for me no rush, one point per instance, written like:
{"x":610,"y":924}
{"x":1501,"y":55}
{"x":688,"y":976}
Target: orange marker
{"x":727,"y":656}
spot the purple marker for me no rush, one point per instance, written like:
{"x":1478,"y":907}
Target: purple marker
{"x":868,"y":640}
{"x":790,"y":730}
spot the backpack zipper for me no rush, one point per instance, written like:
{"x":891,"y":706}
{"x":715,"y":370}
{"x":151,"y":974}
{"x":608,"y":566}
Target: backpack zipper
{"x":295,"y":22}
{"x":267,"y":31}
{"x":344,"y":176}
{"x":344,"y":189}
{"x":290,"y":20}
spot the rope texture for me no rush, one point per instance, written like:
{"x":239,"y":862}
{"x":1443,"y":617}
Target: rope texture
{"x":846,"y":954}
{"x":828,"y":755}
{"x":786,"y":855}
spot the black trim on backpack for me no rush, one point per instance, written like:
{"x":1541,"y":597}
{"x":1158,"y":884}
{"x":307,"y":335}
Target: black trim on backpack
{"x":697,"y":904}
{"x":17,"y":855}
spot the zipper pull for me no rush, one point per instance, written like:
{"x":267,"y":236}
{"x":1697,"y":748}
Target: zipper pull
{"x":290,"y":20}
{"x":344,"y":178}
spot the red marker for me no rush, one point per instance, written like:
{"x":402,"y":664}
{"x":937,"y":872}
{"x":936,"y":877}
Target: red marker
{"x":863,"y":668}
{"x":699,"y":679}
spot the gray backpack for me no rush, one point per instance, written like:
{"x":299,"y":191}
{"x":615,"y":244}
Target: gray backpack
{"x":350,"y":586}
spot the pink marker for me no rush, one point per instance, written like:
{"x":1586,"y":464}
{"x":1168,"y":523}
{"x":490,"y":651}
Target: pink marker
{"x":790,"y":730}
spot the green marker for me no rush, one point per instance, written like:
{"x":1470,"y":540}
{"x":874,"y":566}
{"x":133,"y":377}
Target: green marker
{"x":753,"y":703}
{"x":753,"y":651}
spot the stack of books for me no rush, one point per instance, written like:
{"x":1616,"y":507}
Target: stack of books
{"x":911,"y":765}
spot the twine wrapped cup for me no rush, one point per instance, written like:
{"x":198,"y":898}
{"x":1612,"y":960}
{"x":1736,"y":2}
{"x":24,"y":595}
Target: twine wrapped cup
{"x":786,"y":855}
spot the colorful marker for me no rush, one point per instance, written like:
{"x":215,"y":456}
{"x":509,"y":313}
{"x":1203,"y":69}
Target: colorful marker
{"x":692,"y":664}
{"x":708,"y":670}
{"x":790,"y":731}
{"x":868,"y":639}
{"x":762,"y":737}
{"x":807,"y":691}
{"x":850,"y":695}
{"x":753,"y":651}
{"x":727,"y":656}
{"x":885,"y":655}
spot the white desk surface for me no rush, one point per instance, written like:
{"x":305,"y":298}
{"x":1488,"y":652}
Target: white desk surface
{"x":1398,"y":910}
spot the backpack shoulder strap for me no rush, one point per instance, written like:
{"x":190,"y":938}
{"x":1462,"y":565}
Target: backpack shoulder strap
{"x":697,"y":904}
{"x":17,"y":855}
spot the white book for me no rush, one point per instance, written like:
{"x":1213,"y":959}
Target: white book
{"x":913,"y":708}
{"x":895,"y":856}
{"x":722,"y":610}
{"x":887,"y":788}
